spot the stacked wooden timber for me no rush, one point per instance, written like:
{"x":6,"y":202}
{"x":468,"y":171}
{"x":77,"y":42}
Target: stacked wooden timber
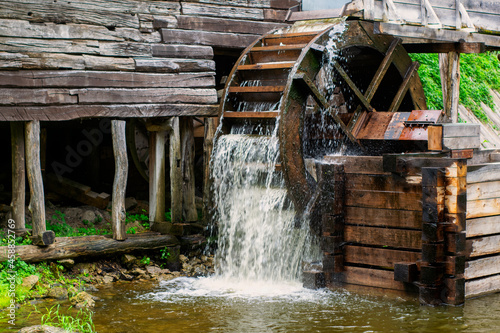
{"x":126,"y":58}
{"x":428,"y":223}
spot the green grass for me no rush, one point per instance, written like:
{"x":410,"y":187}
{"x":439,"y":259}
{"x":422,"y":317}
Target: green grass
{"x":79,"y":322}
{"x":479,"y":74}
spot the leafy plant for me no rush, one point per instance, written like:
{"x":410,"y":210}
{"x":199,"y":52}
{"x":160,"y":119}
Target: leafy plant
{"x":81,"y":322}
{"x":132,"y":230}
{"x":145,"y":260}
{"x":143,"y":218}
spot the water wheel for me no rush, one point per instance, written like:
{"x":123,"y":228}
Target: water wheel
{"x":320,"y":79}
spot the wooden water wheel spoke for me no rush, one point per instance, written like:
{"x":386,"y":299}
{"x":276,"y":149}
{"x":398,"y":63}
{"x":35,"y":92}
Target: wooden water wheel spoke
{"x":353,"y":86}
{"x":403,"y":88}
{"x":323,"y":103}
{"x":377,"y":79}
{"x":284,"y":76}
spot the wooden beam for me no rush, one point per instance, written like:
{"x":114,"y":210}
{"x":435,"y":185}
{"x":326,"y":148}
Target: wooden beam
{"x":223,"y":25}
{"x":37,"y":199}
{"x":208,"y":38}
{"x":189,"y":212}
{"x":157,"y":141}
{"x":449,"y":65}
{"x":399,"y":238}
{"x":460,"y":47}
{"x":120,"y":180}
{"x":210,"y":128}
{"x":18,"y":174}
{"x":73,"y":247}
{"x":175,"y":171}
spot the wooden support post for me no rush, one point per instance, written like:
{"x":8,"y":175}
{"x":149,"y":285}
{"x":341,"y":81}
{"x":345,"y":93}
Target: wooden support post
{"x":18,"y":175}
{"x":37,"y":201}
{"x":120,"y":181}
{"x":189,"y":212}
{"x":449,"y":66}
{"x":175,"y":171}
{"x":157,"y":142}
{"x":331,"y":180}
{"x":208,"y":146}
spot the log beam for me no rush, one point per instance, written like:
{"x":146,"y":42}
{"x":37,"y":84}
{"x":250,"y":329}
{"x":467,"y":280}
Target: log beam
{"x":449,"y":66}
{"x":120,"y":180}
{"x":72,"y":247}
{"x":208,"y":146}
{"x":157,"y":142}
{"x":175,"y":171}
{"x":18,"y":175}
{"x":40,"y":234}
{"x":186,"y":127}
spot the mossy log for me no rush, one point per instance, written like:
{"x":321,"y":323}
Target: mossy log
{"x":72,"y":247}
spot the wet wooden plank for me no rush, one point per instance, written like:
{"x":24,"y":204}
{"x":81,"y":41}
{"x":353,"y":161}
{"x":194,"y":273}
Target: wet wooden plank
{"x":241,"y":3}
{"x":359,"y":164}
{"x":409,"y":239}
{"x":214,"y":39}
{"x":482,"y":267}
{"x":371,"y":277}
{"x":384,"y":199}
{"x":67,"y":112}
{"x":142,"y":95}
{"x":483,"y":226}
{"x":487,"y":285}
{"x":377,"y":256}
{"x":385,"y":182}
{"x":483,"y":246}
{"x":67,"y":78}
{"x":384,"y":217}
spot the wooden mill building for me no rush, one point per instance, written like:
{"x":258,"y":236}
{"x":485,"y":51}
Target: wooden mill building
{"x":78,"y":78}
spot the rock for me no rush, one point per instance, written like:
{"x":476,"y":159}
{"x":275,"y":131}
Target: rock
{"x":129,"y":260}
{"x":126,"y":277}
{"x":183,"y":258}
{"x":165,"y":271}
{"x":107,"y":279}
{"x":137,"y":271}
{"x":73,"y":214}
{"x":30,"y":281}
{"x":153,"y":270}
{"x":84,"y":268}
{"x":67,"y":263}
{"x":166,"y":277}
{"x":42,"y":329}
{"x":130,"y":203}
{"x":89,"y":215}
{"x":82,"y":300}
{"x":58,"y":293}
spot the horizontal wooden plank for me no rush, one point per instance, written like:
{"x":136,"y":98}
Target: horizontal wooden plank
{"x":200,"y":9}
{"x":68,"y":46}
{"x":408,"y":239}
{"x":462,"y":143}
{"x":483,"y":173}
{"x":485,"y":190}
{"x":242,"y":3}
{"x":384,"y":182}
{"x":174,"y":65}
{"x":315,"y":14}
{"x":183,"y":51}
{"x":214,"y":39}
{"x":377,"y":256}
{"x":257,"y":89}
{"x":25,"y":29}
{"x":359,"y":164}
{"x":15,"y":96}
{"x":371,"y":277}
{"x":284,"y":4}
{"x":483,"y":286}
{"x":68,"y":112}
{"x":281,"y":65}
{"x":482,"y":208}
{"x":226,"y":25}
{"x":251,"y":114}
{"x":143,"y":95}
{"x":482,"y":267}
{"x":64,"y":61}
{"x":423,"y":33}
{"x":383,"y":217}
{"x":483,"y":226}
{"x":120,"y":13}
{"x":384,"y":199}
{"x":69,"y":79}
{"x":483,"y":246}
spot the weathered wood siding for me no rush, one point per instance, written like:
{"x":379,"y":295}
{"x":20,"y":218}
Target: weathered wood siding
{"x":122,"y":58}
{"x":482,"y":271}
